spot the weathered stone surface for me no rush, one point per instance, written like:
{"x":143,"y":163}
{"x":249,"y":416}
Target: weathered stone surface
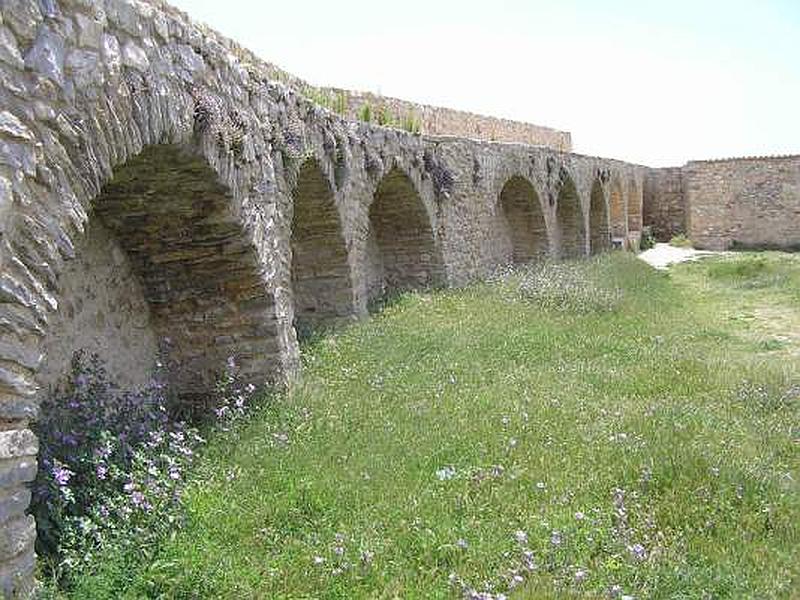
{"x":46,"y":57}
{"x":90,"y":31}
{"x":17,"y":442}
{"x":16,"y":536}
{"x":12,"y":127}
{"x":13,"y":503}
{"x":9,"y":50}
{"x":134,"y":56}
{"x":23,"y":17}
{"x":16,"y":471}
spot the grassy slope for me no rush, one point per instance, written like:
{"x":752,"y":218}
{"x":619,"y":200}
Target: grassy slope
{"x":541,"y":414}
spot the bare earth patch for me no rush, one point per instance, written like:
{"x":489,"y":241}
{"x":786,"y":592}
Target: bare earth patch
{"x":663,"y":255}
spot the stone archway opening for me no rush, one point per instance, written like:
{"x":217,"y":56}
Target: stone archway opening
{"x":619,"y":220}
{"x":321,"y":282}
{"x":521,"y":224}
{"x":165,"y":264}
{"x":569,"y":218}
{"x":634,"y":207}
{"x":599,"y":233}
{"x":402,"y":251}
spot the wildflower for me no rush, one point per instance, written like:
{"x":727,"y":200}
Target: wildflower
{"x":462,"y":543}
{"x":615,"y":590}
{"x":638,"y":551}
{"x":579,"y":516}
{"x":338,"y":550}
{"x":580,"y":575}
{"x":367,"y":556}
{"x":137,"y":498}
{"x":318,"y":560}
{"x":540,"y":485}
{"x":101,"y":471}
{"x":61,"y":474}
{"x":516,"y":580}
{"x":555,"y":538}
{"x":521,"y":537}
{"x":446,"y":473}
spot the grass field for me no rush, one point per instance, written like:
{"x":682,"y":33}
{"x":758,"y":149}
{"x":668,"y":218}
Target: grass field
{"x":593,"y":429}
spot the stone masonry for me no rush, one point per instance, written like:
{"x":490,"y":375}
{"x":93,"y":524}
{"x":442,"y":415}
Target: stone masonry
{"x":159,"y":187}
{"x":731,"y":203}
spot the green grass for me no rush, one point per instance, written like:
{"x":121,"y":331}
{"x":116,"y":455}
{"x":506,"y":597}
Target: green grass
{"x":620,"y":406}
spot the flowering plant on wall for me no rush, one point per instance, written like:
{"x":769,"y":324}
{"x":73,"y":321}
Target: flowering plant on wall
{"x":113,"y":462}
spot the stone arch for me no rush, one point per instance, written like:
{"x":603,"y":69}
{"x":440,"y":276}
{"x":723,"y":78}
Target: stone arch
{"x":199,"y":272}
{"x":522,"y":232}
{"x":321,"y":280}
{"x":569,"y":220}
{"x":599,"y":233}
{"x":619,"y":220}
{"x":402,"y":250}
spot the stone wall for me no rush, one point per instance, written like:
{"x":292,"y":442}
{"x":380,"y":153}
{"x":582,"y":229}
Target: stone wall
{"x":743,"y":202}
{"x":437,"y":120}
{"x":664,"y":202}
{"x":103,"y":310}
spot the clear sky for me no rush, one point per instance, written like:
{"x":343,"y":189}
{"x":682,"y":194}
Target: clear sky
{"x":655,"y":82}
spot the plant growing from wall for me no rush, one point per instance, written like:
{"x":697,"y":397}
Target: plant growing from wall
{"x":365,"y":113}
{"x":113,"y":463}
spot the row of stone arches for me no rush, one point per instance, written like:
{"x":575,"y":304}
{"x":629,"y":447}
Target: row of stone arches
{"x":522,"y":226}
{"x":400,"y":250}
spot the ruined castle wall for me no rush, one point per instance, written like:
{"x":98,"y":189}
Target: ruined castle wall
{"x":437,"y":120}
{"x":664,"y":203}
{"x":743,"y":202}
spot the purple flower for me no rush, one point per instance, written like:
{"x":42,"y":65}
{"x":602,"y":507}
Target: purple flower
{"x":101,"y":471}
{"x":638,"y":551}
{"x":61,"y":474}
{"x":137,"y":498}
{"x":555,"y":538}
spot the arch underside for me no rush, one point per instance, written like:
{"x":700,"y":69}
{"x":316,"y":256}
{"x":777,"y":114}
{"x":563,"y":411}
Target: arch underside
{"x":619,"y":222}
{"x":196,"y":267}
{"x":571,"y":234}
{"x":521,"y":224}
{"x":599,"y":234}
{"x":401,"y":252}
{"x":321,"y":280}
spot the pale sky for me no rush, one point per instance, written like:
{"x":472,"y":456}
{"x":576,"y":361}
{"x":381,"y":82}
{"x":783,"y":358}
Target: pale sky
{"x":653,"y":82}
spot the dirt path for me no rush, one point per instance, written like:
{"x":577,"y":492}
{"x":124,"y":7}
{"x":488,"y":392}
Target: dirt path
{"x":663,"y":255}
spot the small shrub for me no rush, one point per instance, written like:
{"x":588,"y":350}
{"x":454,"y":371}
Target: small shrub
{"x":648,"y":240}
{"x":385,"y":117}
{"x":113,"y":464}
{"x":365,"y":113}
{"x":411,"y":124}
{"x":680,"y":241}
